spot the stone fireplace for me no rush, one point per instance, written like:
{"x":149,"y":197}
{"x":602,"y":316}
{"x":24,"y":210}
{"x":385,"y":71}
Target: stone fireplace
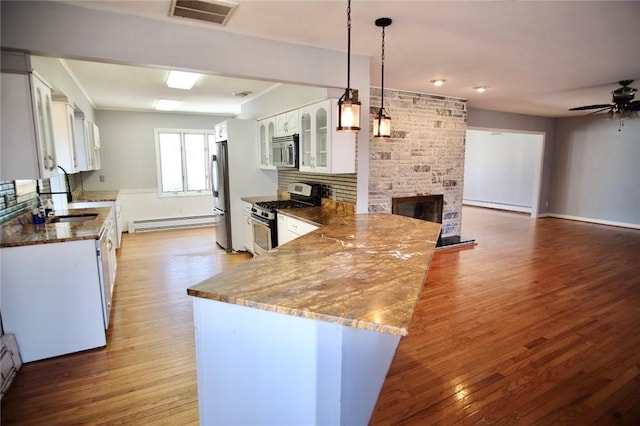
{"x":423,"y":156}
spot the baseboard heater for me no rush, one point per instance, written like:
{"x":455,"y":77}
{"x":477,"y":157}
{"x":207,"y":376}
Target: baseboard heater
{"x":143,"y":225}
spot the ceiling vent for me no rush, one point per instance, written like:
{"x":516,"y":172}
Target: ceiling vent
{"x":209,"y":11}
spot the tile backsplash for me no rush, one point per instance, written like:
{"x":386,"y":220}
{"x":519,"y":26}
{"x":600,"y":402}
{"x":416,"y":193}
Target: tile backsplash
{"x":12,"y":205}
{"x":338,"y":187}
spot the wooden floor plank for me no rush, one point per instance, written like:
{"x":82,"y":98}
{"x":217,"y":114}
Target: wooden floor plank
{"x":537,"y":324}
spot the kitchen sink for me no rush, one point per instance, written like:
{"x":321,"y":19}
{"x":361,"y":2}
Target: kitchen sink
{"x":73,"y":218}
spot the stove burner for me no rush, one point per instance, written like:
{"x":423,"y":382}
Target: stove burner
{"x":282,"y":204}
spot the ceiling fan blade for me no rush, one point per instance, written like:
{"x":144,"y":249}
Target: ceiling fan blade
{"x":633,"y":106}
{"x":609,"y":107}
{"x":586,"y":107}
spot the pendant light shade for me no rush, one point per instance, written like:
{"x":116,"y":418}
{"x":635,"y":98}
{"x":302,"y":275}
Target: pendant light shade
{"x":382,"y":121}
{"x":348,"y":104}
{"x":349,"y":112}
{"x":382,"y":125}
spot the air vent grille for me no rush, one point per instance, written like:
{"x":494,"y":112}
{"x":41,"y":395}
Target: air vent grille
{"x":209,"y":11}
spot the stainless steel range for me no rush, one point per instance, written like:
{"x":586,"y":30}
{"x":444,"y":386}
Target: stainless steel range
{"x":263,"y":214}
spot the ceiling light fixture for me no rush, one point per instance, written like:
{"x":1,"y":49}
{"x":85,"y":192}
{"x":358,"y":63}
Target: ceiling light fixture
{"x":438,"y":82}
{"x":242,"y":94}
{"x":167,"y":104}
{"x":348,"y":105}
{"x":382,"y":122}
{"x":182,"y":79}
{"x":480,"y":89}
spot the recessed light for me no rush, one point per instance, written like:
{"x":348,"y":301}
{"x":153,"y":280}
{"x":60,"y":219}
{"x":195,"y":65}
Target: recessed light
{"x":167,"y":104}
{"x":480,"y":89}
{"x":182,"y":80}
{"x":242,"y":94}
{"x":438,"y":82}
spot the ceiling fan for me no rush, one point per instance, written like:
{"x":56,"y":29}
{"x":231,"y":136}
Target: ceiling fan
{"x":622,"y":102}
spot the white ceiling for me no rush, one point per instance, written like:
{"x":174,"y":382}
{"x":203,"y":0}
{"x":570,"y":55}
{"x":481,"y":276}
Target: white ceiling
{"x":537,"y":57}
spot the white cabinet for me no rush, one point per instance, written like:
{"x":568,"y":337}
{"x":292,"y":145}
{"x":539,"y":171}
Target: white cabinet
{"x":283,"y":232}
{"x":247,"y":227}
{"x":322,"y":148}
{"x":65,"y":136}
{"x":266,"y":132}
{"x":290,"y":228}
{"x":95,"y":146}
{"x":287,"y":123}
{"x":87,"y":144}
{"x":221,"y":132}
{"x":56,"y":308}
{"x":27,"y":142}
{"x":297,"y":228}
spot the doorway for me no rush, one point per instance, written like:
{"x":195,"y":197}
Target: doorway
{"x":503,"y":169}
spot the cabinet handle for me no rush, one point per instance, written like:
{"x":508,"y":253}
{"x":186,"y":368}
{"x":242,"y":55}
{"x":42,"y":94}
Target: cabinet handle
{"x":49,"y":163}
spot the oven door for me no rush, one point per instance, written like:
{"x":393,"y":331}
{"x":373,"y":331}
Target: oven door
{"x":262,"y":236}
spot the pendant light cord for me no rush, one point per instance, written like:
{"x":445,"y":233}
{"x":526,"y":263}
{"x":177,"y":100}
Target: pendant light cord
{"x":382,"y":94}
{"x":349,"y":46}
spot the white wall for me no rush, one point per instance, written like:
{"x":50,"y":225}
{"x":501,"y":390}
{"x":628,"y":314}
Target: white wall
{"x":479,"y":118}
{"x":67,"y":31}
{"x":127,"y":150}
{"x":128,"y":157}
{"x":596,"y":176}
{"x":282,"y":98}
{"x":501,"y":169}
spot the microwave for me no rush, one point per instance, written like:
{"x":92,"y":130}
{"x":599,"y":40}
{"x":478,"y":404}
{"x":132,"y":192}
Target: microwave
{"x":284,"y":151}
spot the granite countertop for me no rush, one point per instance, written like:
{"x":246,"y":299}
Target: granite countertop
{"x":22,"y":232}
{"x":91,"y":196}
{"x":262,"y":198}
{"x":360,"y":270}
{"x":327,"y":213}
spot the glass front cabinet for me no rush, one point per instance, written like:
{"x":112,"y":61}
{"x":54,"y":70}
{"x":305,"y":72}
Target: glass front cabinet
{"x":266,"y":132}
{"x":322,"y":148}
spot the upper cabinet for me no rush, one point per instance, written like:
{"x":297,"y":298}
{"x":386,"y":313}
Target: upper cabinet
{"x":221,"y":131}
{"x":287,"y":123}
{"x":266,"y":132}
{"x":87,"y":144}
{"x":322,"y":148}
{"x":28,"y":146}
{"x":65,"y":137}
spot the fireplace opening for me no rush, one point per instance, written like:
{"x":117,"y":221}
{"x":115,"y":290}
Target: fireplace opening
{"x":428,"y":207}
{"x":425,"y":207}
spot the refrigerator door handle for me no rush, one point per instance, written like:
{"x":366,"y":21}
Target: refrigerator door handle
{"x":214,"y":175}
{"x":218,"y":215}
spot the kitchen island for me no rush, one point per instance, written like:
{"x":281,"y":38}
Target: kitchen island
{"x":305,"y":334}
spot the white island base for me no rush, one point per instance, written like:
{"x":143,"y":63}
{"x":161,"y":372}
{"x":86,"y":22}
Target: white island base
{"x":257,"y":367}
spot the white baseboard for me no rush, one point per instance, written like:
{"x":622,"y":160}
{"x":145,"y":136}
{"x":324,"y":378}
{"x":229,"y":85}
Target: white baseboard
{"x":510,"y":207}
{"x":143,"y":225}
{"x":590,"y":220}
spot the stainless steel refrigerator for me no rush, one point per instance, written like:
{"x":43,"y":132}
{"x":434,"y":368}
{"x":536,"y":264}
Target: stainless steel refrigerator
{"x":221,"y":199}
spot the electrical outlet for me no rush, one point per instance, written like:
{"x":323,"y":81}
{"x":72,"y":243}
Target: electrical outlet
{"x":101,"y":177}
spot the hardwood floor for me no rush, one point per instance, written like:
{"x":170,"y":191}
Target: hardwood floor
{"x":537,"y":324}
{"x":146,"y":375}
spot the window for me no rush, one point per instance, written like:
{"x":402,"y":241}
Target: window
{"x":183,"y":161}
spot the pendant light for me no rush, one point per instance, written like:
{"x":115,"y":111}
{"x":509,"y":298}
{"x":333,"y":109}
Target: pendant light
{"x":382,"y":122}
{"x":348,"y":105}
